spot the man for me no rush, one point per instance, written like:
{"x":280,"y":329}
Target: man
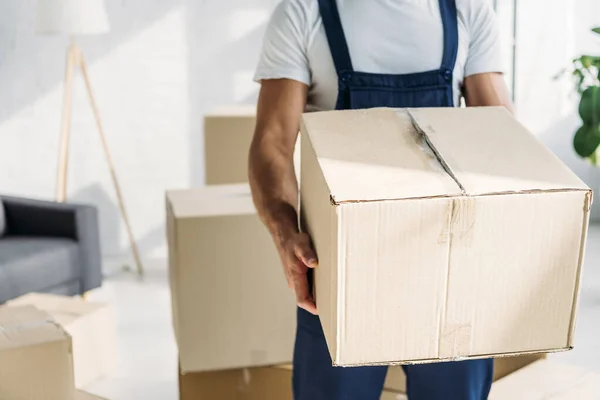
{"x":349,"y":54}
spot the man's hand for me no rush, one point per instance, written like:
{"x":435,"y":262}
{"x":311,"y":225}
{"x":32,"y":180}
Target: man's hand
{"x":298,"y":256}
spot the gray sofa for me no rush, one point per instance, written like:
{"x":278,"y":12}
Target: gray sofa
{"x":48,"y":247}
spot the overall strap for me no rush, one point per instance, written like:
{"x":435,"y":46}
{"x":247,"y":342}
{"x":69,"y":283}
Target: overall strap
{"x":450,"y":23}
{"x":335,"y":36}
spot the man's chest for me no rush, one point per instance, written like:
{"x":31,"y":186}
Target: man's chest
{"x":382,"y":40}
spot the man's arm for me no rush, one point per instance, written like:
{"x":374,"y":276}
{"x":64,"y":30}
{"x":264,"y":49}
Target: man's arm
{"x":273,"y":179}
{"x":487,"y":89}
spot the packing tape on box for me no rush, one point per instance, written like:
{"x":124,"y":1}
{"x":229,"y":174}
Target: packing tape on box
{"x":462,"y":210}
{"x":454,"y":340}
{"x":462,"y":215}
{"x":462,"y":220}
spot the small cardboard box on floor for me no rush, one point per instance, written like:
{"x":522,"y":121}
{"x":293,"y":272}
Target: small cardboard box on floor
{"x":35,"y":356}
{"x":227,"y":137}
{"x":228,"y":133}
{"x":92,"y":327}
{"x":232,"y":307}
{"x":547,"y":379}
{"x":441,"y":234}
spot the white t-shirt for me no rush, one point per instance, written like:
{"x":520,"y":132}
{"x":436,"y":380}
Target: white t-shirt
{"x":383,"y":36}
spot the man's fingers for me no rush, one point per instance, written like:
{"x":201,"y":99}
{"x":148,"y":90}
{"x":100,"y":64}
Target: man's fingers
{"x":304,"y":298}
{"x":306,"y":254}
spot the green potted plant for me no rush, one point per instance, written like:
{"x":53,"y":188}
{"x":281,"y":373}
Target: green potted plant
{"x":586,"y":70}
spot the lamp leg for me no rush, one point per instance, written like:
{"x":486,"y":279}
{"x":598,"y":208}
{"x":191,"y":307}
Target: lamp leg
{"x":113,"y":174}
{"x":65,"y":126}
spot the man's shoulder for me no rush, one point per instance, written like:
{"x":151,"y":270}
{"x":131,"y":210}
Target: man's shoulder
{"x":472,"y":10}
{"x":304,"y":5}
{"x":301,"y":10}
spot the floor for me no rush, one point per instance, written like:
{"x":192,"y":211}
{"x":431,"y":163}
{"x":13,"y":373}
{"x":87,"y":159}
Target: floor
{"x":147,"y":367}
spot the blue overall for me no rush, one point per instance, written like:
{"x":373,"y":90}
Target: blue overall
{"x":314,"y":376}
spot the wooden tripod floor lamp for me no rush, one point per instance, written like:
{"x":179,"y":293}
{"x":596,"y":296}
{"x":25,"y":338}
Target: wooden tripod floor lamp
{"x":77,"y":17}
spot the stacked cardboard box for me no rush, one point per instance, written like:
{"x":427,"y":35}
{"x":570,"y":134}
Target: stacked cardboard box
{"x":227,"y":136}
{"x":91,"y":326}
{"x":257,"y":383}
{"x":231,"y":305}
{"x":548,"y":380}
{"x":35,"y":354}
{"x":226,"y":277}
{"x":456,"y":222}
{"x":228,"y":133}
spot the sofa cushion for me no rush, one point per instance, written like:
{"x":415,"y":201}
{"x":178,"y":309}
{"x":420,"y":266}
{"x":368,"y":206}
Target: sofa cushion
{"x":2,"y":219}
{"x":31,"y":264}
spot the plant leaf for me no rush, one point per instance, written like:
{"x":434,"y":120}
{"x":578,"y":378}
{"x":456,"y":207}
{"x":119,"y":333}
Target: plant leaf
{"x":594,"y":158}
{"x":587,"y":140}
{"x":596,"y":30}
{"x":587,"y":60}
{"x":589,"y":105}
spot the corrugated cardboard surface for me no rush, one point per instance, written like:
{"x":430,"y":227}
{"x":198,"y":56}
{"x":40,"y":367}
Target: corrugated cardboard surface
{"x":395,"y":379}
{"x":36,"y":356}
{"x":231,"y":304}
{"x":81,"y":395}
{"x":228,"y":133}
{"x":92,"y":327}
{"x":548,"y":380}
{"x":238,"y":384}
{"x":440,"y":234}
{"x":227,"y":136}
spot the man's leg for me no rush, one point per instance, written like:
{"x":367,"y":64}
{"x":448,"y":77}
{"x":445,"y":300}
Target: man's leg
{"x":314,"y":377}
{"x":462,"y":380}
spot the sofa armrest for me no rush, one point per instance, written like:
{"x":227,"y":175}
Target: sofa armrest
{"x":62,"y":220}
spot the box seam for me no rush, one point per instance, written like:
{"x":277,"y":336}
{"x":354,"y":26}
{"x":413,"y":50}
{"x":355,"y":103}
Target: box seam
{"x":340,"y":292}
{"x":452,"y":359}
{"x":438,"y":155}
{"x":442,"y":323}
{"x":422,"y":131}
{"x":582,"y":242}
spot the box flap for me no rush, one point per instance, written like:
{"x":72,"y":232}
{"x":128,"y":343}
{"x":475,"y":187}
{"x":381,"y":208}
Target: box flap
{"x":25,"y":326}
{"x":384,"y":153}
{"x":547,"y":380}
{"x":63,"y":309}
{"x":374,"y":154}
{"x":211,"y":201}
{"x":489,"y":151}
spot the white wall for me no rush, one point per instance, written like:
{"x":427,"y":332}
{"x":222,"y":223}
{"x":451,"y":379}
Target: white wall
{"x":550,"y":33}
{"x":163,"y":64}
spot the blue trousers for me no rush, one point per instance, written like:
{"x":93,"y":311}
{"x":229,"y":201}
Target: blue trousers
{"x":315,"y":378}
